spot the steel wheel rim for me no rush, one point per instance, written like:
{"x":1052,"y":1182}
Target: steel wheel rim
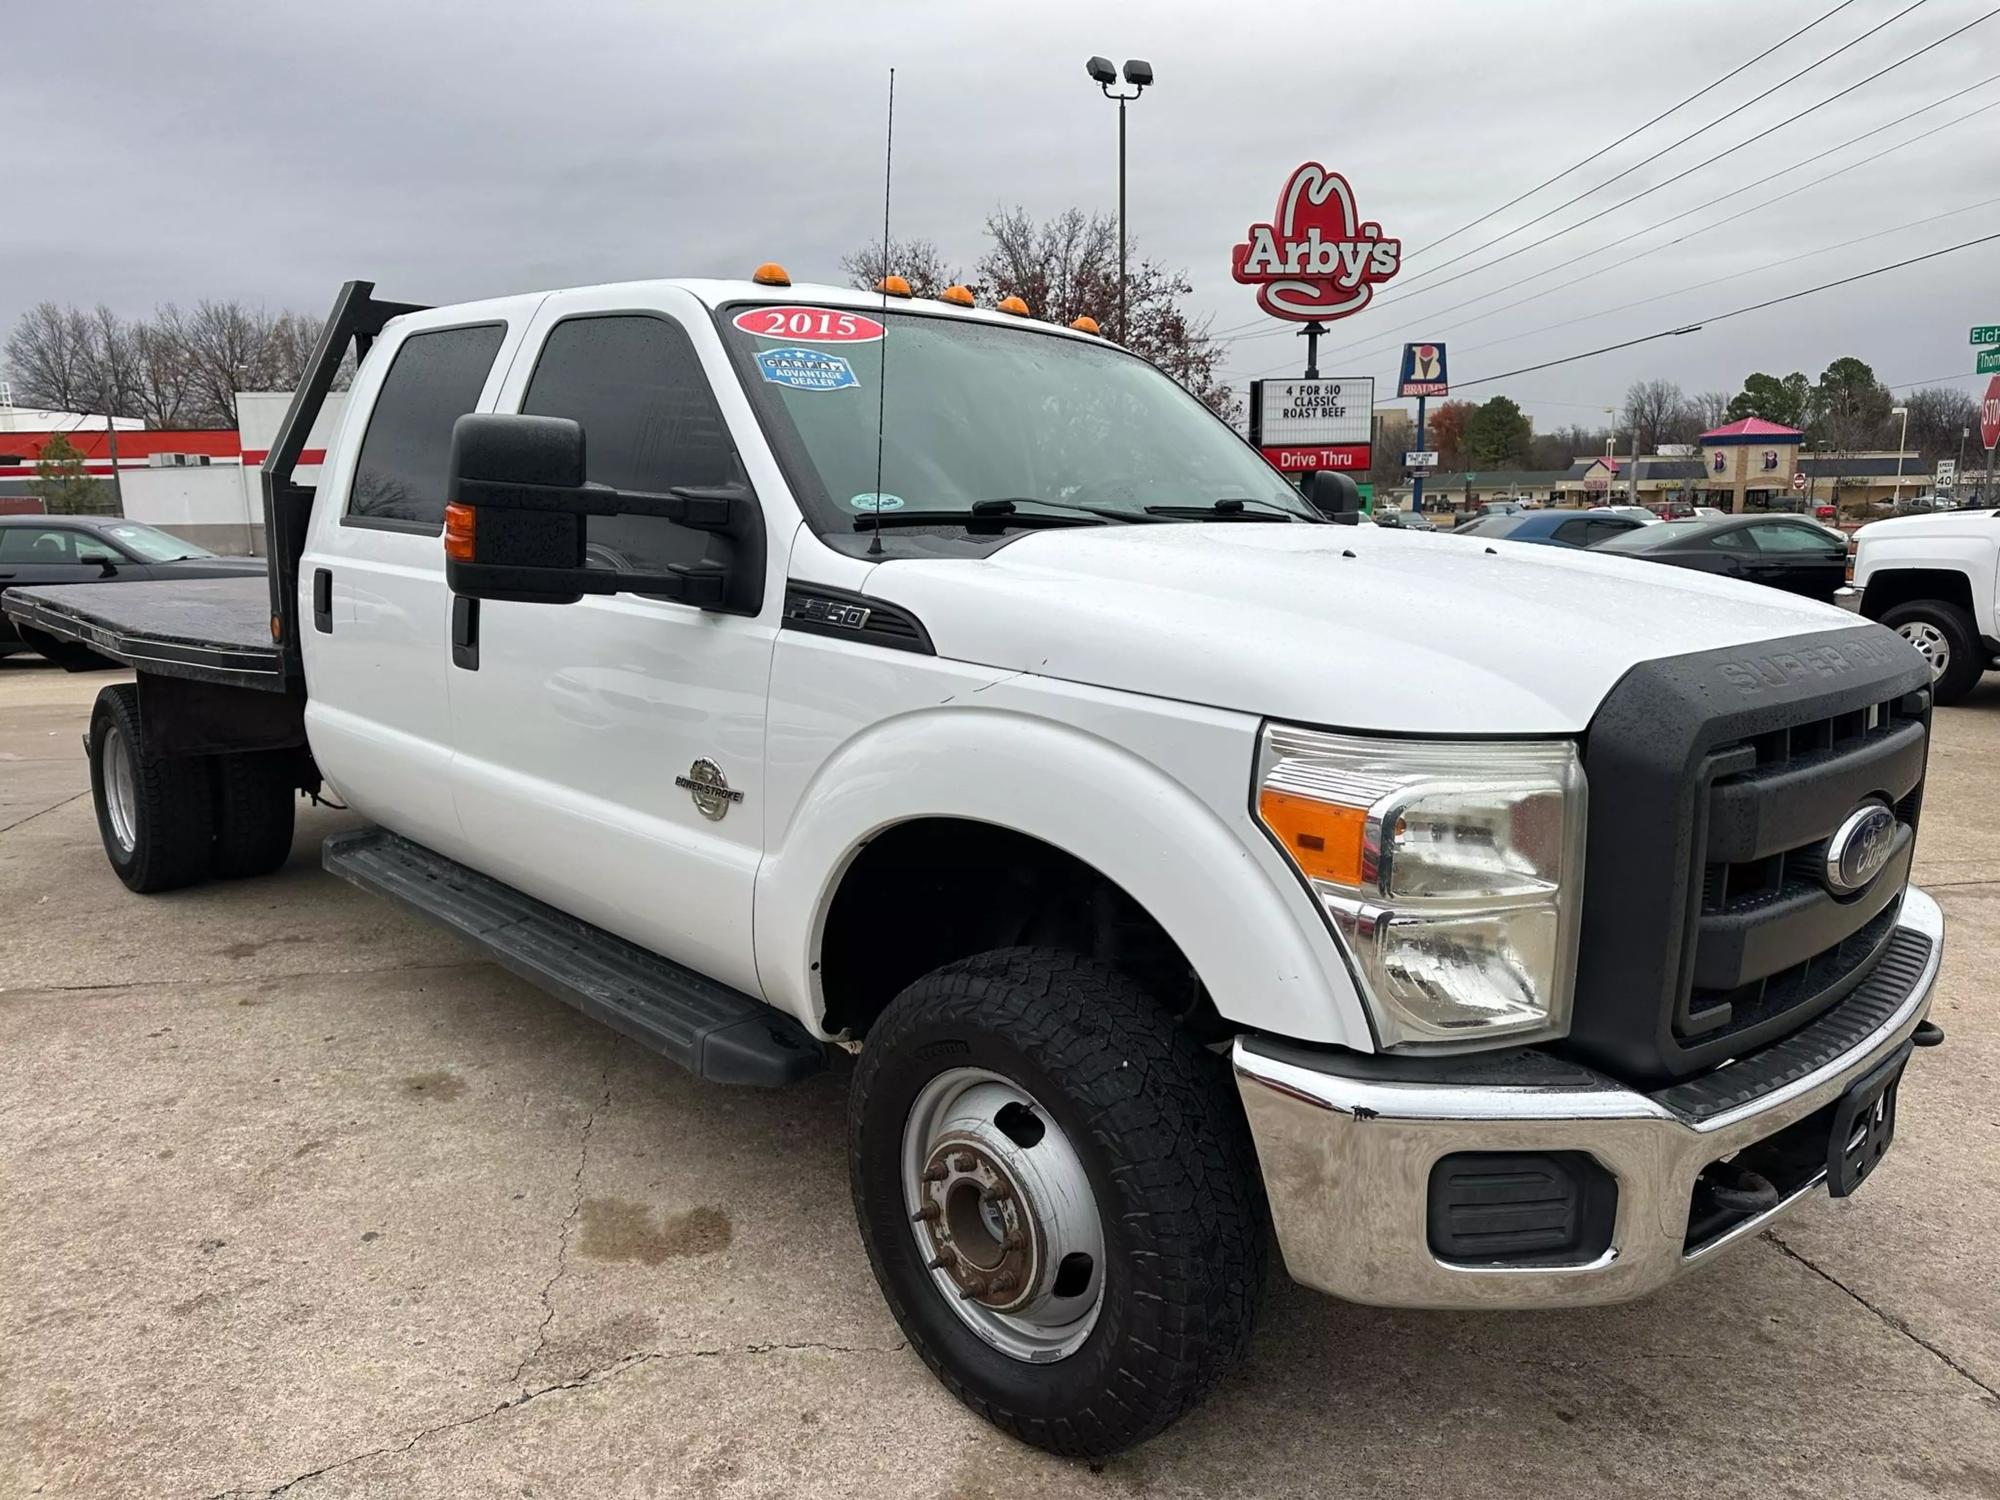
{"x":121,"y":794}
{"x":974,"y":1236}
{"x":1931,"y":643}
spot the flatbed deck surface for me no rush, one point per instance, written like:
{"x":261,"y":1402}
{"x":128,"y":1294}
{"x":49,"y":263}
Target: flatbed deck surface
{"x":209,"y":629}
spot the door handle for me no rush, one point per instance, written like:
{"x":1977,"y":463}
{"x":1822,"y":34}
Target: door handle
{"x":465,"y":632}
{"x":322,"y":601}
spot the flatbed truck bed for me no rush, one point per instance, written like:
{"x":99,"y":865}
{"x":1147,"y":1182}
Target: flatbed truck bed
{"x":214,"y":630}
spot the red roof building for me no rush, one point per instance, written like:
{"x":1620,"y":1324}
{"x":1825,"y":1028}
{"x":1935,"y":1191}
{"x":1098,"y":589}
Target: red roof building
{"x":1752,"y":430}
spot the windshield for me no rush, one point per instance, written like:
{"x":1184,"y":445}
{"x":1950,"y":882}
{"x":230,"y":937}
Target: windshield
{"x":976,"y":412}
{"x":1645,"y":538}
{"x":150,"y":544}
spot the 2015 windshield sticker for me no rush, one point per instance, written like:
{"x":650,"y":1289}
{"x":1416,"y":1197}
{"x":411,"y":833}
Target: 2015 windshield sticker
{"x":873,"y":501}
{"x":809,"y":325}
{"x":806,"y":369}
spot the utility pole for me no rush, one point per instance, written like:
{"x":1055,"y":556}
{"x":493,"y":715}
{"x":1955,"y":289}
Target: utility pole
{"x":1902,"y":442}
{"x":1138,"y":76}
{"x":1417,"y":479}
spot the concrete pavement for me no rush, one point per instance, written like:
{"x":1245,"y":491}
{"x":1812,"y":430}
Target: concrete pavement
{"x":296,"y":1196}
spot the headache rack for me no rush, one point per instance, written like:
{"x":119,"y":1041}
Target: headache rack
{"x":357,"y":319}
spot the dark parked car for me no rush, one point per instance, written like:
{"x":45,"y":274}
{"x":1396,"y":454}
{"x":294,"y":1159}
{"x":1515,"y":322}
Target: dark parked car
{"x":1554,"y":528}
{"x":1404,"y":520}
{"x":95,"y":549}
{"x":1786,"y":552}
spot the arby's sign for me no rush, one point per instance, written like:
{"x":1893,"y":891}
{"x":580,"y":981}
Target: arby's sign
{"x":1316,"y":259}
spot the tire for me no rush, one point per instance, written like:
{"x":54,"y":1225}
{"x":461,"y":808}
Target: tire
{"x":254,"y":802}
{"x":1149,"y":1123}
{"x":154,"y":814}
{"x":1947,"y":639}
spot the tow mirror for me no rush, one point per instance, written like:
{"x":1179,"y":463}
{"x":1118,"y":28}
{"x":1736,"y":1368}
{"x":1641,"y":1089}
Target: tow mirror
{"x":515,"y":524}
{"x":1335,"y":496}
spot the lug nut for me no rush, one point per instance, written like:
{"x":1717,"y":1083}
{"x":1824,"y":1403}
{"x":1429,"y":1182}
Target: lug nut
{"x":944,"y":1260}
{"x":1004,"y":1282}
{"x":937,"y":1171}
{"x":928,"y":1214}
{"x":975,"y":1286}
{"x":999,"y":1192}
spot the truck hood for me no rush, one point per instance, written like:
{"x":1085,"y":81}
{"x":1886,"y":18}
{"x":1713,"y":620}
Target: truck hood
{"x":1982,"y":524}
{"x":1359,"y":627}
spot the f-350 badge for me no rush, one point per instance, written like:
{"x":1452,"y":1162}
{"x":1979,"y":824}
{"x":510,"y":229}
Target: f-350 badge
{"x":710,"y":789}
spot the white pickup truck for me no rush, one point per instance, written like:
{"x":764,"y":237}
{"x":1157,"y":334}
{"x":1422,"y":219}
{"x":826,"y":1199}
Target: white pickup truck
{"x":1488,"y":926}
{"x":1935,"y":581}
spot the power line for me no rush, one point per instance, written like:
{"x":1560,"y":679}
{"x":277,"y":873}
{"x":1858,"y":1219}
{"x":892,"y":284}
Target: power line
{"x":1698,"y":326}
{"x":1703,"y":229}
{"x":1637,"y":130}
{"x":1755,"y":98}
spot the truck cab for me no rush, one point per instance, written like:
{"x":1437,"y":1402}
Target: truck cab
{"x":772,"y":671}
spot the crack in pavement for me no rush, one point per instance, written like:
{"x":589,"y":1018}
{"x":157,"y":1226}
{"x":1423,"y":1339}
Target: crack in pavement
{"x":223,"y":981}
{"x":54,"y":807}
{"x":569,"y":1219}
{"x":588,"y":1377}
{"x":1899,"y":1324}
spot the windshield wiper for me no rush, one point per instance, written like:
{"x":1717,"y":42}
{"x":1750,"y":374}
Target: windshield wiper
{"x":980,"y":516}
{"x":1231,"y":510}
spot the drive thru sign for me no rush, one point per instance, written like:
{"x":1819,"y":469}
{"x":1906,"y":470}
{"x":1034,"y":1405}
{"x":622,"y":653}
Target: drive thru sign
{"x":1313,"y":424}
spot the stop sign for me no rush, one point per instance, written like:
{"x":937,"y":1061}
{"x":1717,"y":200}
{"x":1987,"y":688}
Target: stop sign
{"x":1989,"y":414}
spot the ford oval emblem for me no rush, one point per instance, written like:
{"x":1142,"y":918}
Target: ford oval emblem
{"x":1859,"y":848}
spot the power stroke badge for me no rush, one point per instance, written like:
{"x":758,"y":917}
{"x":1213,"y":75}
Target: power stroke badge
{"x":710,"y":789}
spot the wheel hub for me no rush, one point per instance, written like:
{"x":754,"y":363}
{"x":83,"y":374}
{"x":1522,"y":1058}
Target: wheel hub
{"x":982,"y":1224}
{"x":1930,"y":643}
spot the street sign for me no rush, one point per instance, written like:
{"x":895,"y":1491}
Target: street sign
{"x":1313,"y":424}
{"x":1423,"y":371}
{"x":1989,"y":414}
{"x":1989,"y":362}
{"x":1798,"y":481}
{"x":1947,"y":474}
{"x":1424,"y":460}
{"x":1986,"y":334}
{"x":1316,"y":258}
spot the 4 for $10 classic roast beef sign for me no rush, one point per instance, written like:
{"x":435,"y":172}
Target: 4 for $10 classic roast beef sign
{"x":1316,"y":259}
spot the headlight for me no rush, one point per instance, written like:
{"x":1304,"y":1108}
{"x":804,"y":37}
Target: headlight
{"x":1451,"y":869}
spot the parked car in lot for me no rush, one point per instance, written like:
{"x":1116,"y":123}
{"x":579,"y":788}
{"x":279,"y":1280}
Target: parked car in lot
{"x":1644,"y":515}
{"x":99,"y":550}
{"x":1404,"y":520}
{"x":1555,"y":528}
{"x":1455,"y":925}
{"x":1783,"y":552}
{"x":1934,"y":580}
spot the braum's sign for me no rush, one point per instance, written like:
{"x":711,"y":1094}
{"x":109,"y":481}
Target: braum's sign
{"x":1313,"y":424}
{"x":1316,"y":259}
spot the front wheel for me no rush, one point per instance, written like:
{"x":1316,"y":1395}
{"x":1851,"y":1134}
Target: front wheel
{"x":1059,"y":1197}
{"x":1946,"y":639}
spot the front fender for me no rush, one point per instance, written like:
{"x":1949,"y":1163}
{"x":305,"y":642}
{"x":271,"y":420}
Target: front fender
{"x":1212,"y":882}
{"x":1971,"y":559}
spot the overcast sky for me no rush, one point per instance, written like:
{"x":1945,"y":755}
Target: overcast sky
{"x":267,"y":151}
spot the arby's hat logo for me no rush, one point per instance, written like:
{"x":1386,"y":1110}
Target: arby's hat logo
{"x":1316,"y":258}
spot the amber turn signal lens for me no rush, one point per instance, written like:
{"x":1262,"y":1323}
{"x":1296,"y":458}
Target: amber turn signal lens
{"x":1013,"y":305}
{"x":277,"y":628}
{"x":958,"y":296}
{"x":771,"y":274}
{"x":460,"y":522}
{"x":1323,"y":840}
{"x":893,"y":286}
{"x":1084,"y":325}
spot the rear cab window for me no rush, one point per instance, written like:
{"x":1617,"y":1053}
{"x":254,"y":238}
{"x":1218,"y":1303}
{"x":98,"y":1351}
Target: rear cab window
{"x":435,"y":377}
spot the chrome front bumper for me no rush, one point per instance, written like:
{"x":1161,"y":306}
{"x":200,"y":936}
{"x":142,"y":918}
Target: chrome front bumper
{"x":1347,"y":1164}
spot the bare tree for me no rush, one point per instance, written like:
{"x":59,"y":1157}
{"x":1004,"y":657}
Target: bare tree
{"x":1655,"y":412}
{"x":918,"y":262}
{"x":49,"y":359}
{"x":1939,"y":416}
{"x":163,"y":374}
{"x":228,"y":351}
{"x":1710,"y":410}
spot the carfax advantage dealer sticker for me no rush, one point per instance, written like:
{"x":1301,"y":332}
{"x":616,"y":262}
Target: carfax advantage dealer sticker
{"x":809,"y":325}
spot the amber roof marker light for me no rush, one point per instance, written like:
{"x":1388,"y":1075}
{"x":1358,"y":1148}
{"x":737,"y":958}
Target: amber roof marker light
{"x":958,"y":296}
{"x":771,"y":274}
{"x":893,"y":286}
{"x":1084,"y":324}
{"x":1013,"y":305}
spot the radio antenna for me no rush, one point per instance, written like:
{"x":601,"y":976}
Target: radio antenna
{"x":882,"y":375}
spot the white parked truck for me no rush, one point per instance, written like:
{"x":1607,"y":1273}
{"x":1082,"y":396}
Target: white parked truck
{"x":1487,"y":926}
{"x":1934,"y":580}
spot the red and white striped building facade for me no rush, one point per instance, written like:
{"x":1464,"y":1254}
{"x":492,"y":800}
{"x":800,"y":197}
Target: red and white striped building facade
{"x":203,"y":485}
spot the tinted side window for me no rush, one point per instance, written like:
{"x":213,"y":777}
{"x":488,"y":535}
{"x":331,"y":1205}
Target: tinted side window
{"x":401,"y":472}
{"x":1793,"y":539}
{"x":33,"y":544}
{"x":1574,"y":532}
{"x":650,"y":423}
{"x":1603,"y":528}
{"x":1729,"y":541}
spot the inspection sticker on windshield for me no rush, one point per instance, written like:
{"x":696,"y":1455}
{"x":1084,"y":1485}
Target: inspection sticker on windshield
{"x":809,"y":325}
{"x":872,"y":501}
{"x":806,"y":369}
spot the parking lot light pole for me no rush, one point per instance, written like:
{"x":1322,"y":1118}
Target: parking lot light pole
{"x":1138,"y":75}
{"x":1902,"y":442}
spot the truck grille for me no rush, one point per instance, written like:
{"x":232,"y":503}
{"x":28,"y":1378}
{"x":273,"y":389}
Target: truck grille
{"x":1716,"y":783}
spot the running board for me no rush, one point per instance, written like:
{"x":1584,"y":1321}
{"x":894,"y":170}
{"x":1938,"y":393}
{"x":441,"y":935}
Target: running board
{"x":713,"y":1031}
